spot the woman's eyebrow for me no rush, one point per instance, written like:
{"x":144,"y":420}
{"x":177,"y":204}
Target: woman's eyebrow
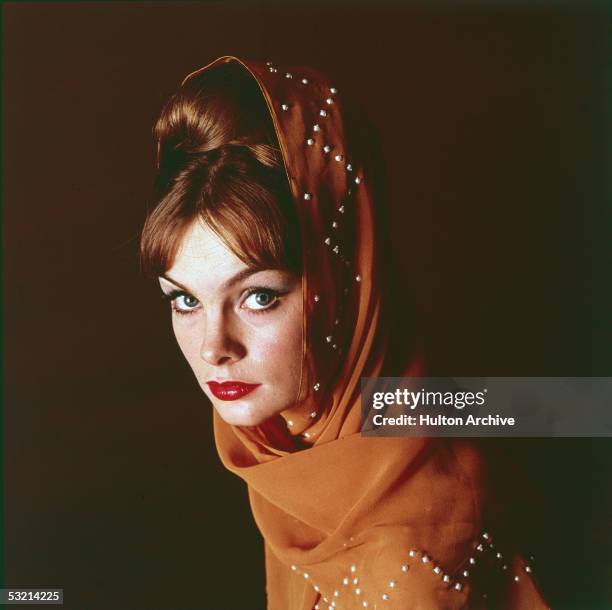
{"x":237,"y":277}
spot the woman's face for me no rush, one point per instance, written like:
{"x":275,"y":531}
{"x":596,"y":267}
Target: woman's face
{"x":239,"y":329}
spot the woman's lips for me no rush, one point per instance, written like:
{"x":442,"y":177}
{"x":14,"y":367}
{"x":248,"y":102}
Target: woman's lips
{"x":231,"y":390}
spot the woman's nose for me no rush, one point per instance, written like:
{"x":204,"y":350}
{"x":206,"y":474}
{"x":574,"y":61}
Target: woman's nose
{"x":220,"y":343}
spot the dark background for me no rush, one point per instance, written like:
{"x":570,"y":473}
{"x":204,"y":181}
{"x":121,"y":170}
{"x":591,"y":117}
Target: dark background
{"x":494,"y":121}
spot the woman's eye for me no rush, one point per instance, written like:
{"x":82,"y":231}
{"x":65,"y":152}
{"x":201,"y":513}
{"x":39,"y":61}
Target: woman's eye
{"x":261,"y":299}
{"x":184,"y":303}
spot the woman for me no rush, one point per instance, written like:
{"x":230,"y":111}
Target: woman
{"x":264,"y":239}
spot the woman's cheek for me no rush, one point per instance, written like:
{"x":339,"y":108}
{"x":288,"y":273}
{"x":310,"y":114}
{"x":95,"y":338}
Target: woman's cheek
{"x":187,"y":339}
{"x":285,"y":337}
{"x":282,"y":348}
{"x":269,"y":346}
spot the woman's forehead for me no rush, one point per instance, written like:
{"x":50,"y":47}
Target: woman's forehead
{"x":205,"y":264}
{"x":202,"y":259}
{"x":200,"y":244}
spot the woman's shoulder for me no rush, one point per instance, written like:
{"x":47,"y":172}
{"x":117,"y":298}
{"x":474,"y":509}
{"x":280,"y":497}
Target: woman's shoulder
{"x":385,"y":568}
{"x":429,"y":538}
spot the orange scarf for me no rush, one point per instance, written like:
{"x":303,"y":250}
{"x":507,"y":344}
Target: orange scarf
{"x":352,"y":522}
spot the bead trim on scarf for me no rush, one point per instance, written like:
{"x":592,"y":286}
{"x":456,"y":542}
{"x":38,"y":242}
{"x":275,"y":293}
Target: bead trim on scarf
{"x":318,"y":143}
{"x":307,"y":196}
{"x":459,"y":580}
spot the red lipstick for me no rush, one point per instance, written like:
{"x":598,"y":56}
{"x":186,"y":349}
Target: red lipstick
{"x":231,"y":390}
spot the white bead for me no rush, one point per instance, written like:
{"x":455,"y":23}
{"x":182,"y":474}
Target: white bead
{"x":328,"y":338}
{"x":316,"y":127}
{"x":316,"y":607}
{"x":334,"y":225}
{"x":425,"y":558}
{"x":316,"y":298}
{"x":357,"y":180}
{"x":357,"y":591}
{"x":465,"y":573}
{"x":316,"y":588}
{"x":385,"y":596}
{"x":305,"y":573}
{"x":338,"y":157}
{"x":290,"y":423}
{"x":498,"y":555}
{"x":458,"y":586}
{"x":516,"y":579}
{"x":446,"y":578}
{"x":355,"y":581}
{"x":527,"y":569}
{"x":392,"y":583}
{"x":294,"y":568}
{"x":307,"y":434}
{"x":358,"y":279}
{"x":288,"y":75}
{"x":365,"y":604}
{"x":329,"y":100}
{"x":472,"y":560}
{"x":285,"y":106}
{"x":268,"y":63}
{"x":326,"y":148}
{"x":480,"y":548}
{"x":336,"y":322}
{"x":336,"y":593}
{"x":437,"y":569}
{"x":412,"y":553}
{"x":353,"y":568}
{"x":334,"y":346}
{"x":307,"y":196}
{"x":504,"y":567}
{"x":313,"y":414}
{"x":341,"y":209}
{"x":349,"y":167}
{"x":305,"y":81}
{"x":405,"y":568}
{"x":333,"y":90}
{"x":345,"y":581}
{"x":328,"y":240}
{"x":336,"y":249}
{"x":316,"y":386}
{"x":310,"y":141}
{"x":485,"y":536}
{"x":323,"y":112}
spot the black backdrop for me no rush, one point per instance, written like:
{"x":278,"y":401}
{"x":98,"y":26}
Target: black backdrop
{"x":493,"y":118}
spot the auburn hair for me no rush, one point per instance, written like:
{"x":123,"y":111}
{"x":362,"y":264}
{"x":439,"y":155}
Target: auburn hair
{"x":219,"y":161}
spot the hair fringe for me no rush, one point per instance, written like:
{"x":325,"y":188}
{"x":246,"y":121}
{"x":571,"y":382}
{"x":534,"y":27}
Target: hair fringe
{"x":218,"y":158}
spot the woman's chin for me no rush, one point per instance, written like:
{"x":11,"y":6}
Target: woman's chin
{"x":238,"y":413}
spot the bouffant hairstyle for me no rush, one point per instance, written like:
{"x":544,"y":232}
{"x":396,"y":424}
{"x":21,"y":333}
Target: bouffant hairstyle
{"x":219,"y":161}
